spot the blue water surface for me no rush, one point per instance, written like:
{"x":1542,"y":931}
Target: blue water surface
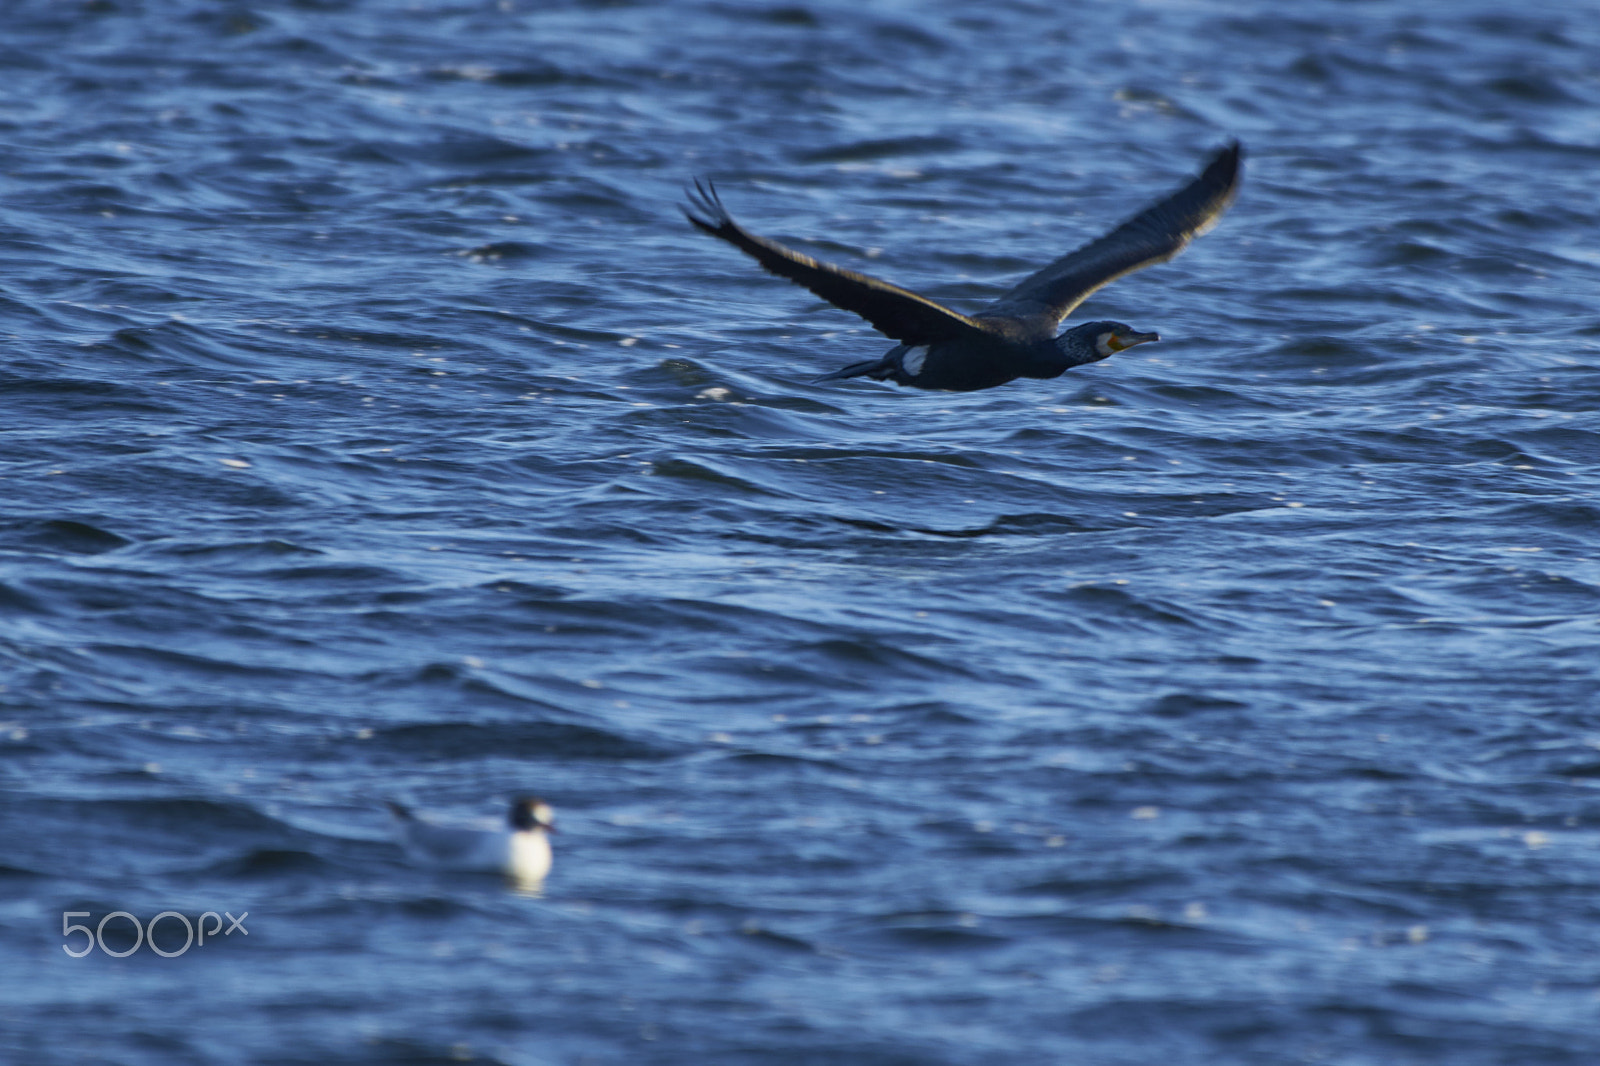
{"x":375,"y":427}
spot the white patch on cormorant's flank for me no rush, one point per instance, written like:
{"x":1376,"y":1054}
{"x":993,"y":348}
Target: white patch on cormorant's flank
{"x":911,"y":362}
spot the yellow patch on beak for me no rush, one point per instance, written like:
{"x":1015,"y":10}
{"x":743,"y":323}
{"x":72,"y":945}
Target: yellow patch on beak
{"x":1119,"y":341}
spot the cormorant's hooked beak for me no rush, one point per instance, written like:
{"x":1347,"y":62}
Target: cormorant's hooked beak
{"x":1118,"y":341}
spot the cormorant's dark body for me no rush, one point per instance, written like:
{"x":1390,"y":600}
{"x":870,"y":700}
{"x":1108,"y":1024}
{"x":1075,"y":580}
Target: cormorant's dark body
{"x":1015,"y":336}
{"x":981,"y":362}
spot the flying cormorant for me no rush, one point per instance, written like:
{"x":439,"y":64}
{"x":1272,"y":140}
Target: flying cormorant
{"x":1014,"y":337}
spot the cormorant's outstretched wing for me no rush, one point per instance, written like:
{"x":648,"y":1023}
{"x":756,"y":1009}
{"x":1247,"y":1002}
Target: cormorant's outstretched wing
{"x":893,"y":311}
{"x":1154,"y":235}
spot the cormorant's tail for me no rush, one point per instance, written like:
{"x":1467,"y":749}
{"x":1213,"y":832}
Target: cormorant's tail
{"x":877,"y":369}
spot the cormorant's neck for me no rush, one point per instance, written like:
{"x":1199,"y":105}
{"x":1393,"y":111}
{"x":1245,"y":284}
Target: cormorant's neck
{"x":1075,"y":349}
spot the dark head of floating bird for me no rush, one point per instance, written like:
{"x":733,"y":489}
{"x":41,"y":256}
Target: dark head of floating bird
{"x":1015,"y":336}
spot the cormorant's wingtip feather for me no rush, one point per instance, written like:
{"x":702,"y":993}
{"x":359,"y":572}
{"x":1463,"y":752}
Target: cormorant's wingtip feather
{"x":1224,"y":165}
{"x":703,"y":200}
{"x":704,"y":209}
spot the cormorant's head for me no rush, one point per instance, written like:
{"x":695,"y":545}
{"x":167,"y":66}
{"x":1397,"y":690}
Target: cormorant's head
{"x":1094,"y":341}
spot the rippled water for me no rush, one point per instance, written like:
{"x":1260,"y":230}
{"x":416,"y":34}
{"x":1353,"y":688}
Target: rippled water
{"x":375,"y":427}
